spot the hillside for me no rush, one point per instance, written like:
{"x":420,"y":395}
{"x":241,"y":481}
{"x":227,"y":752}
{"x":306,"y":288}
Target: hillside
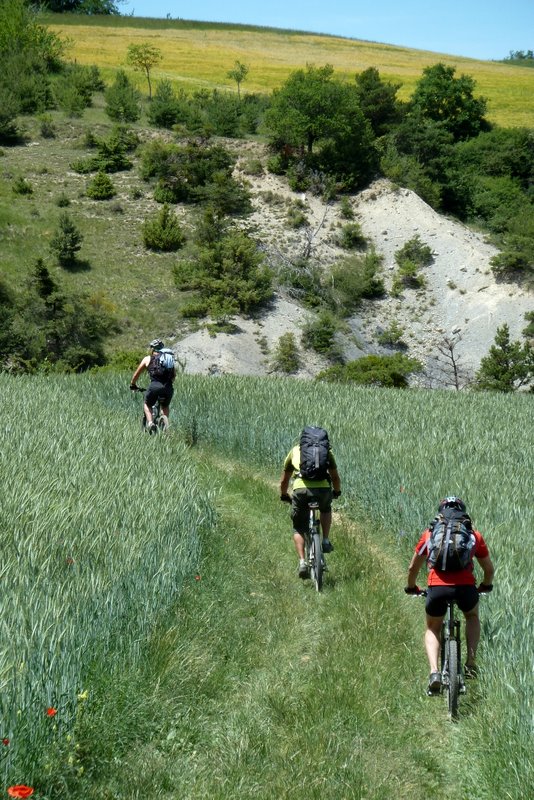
{"x":45,"y":172}
{"x":461,"y":297}
{"x":198,"y":55}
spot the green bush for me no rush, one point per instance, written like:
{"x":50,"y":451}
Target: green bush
{"x":389,"y":371}
{"x":354,"y":279}
{"x":22,"y":187}
{"x":101,"y":187}
{"x":163,"y":233}
{"x":123,"y":101}
{"x":47,"y":127}
{"x":319,"y":334}
{"x":165,"y":108}
{"x":66,"y":241}
{"x":351,"y":237}
{"x":286,"y":357}
{"x":392,"y":335}
{"x":416,"y":252}
{"x":229,"y":274}
{"x":345,"y":208}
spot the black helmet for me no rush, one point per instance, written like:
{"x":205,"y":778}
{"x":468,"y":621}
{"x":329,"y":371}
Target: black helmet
{"x":451,"y":502}
{"x":156,"y":344}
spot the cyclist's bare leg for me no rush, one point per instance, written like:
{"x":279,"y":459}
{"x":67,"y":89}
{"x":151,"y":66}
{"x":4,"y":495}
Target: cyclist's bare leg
{"x":326,"y":522}
{"x":165,"y":410}
{"x":148,"y":414}
{"x":433,"y":641}
{"x":298,"y":538}
{"x":472,"y":635}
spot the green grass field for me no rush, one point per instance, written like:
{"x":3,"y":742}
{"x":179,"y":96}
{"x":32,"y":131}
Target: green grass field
{"x":150,"y":595}
{"x":199,"y":55}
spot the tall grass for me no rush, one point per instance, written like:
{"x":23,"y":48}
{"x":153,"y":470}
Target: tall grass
{"x":100,"y":529}
{"x":100,"y":533}
{"x":399,"y":453}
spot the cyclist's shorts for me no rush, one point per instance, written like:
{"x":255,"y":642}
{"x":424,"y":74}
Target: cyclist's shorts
{"x":465,"y":596}
{"x":299,"y":505}
{"x":163,"y":391}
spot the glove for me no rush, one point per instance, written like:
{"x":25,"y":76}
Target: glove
{"x":336,"y":494}
{"x":285,"y":498}
{"x":133,"y":387}
{"x":412,"y":590}
{"x":485,"y":588}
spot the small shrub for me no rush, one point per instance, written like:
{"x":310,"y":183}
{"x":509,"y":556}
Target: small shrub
{"x":22,"y":187}
{"x":416,"y":252}
{"x":296,"y":218}
{"x":66,"y":241}
{"x":164,"y":233}
{"x":286,"y":356}
{"x":195,"y":309}
{"x":345,"y":208}
{"x":62,"y":201}
{"x":354,"y":279}
{"x":48,"y":129}
{"x":351,"y":237}
{"x":391,"y":336}
{"x":319,"y":334}
{"x":388,"y":371}
{"x":253,"y":166}
{"x":101,"y":187}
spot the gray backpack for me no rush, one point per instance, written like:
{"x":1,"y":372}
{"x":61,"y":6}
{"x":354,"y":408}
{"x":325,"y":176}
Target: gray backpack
{"x":451,"y":542}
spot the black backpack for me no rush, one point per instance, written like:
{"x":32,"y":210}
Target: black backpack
{"x":314,"y":449}
{"x":451,"y":542}
{"x":162,"y":364}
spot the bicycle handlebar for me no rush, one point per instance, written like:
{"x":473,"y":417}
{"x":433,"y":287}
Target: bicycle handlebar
{"x":137,"y":388}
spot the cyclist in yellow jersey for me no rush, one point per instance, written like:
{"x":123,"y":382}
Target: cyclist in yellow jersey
{"x":305,"y":490}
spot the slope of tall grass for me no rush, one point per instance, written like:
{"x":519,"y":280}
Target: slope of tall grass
{"x":100,"y":529}
{"x":199,"y":55}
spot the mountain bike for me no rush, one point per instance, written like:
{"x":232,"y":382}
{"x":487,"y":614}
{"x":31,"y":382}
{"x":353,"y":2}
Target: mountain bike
{"x":160,"y":420}
{"x":313,"y":548}
{"x":452,"y":676}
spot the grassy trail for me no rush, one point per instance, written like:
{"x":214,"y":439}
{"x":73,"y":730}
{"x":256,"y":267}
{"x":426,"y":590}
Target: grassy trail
{"x":265,"y":689}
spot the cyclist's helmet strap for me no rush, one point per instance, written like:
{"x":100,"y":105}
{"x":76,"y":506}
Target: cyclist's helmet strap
{"x":156,"y":344}
{"x":452,"y":502}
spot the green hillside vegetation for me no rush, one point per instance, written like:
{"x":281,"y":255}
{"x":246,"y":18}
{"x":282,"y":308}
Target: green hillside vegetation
{"x":133,"y":208}
{"x":272,"y":54}
{"x":158,"y":643}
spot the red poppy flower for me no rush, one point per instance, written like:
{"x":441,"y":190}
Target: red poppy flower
{"x":51,"y":712}
{"x":20,"y":790}
{"x":5,"y":742}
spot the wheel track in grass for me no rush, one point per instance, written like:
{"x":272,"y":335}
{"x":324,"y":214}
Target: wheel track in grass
{"x":300,"y":684}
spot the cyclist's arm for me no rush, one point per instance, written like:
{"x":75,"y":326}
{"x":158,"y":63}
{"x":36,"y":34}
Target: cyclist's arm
{"x":284,"y":481}
{"x":413,"y":570}
{"x":487,"y":565}
{"x":143,"y":365}
{"x":336,"y":480}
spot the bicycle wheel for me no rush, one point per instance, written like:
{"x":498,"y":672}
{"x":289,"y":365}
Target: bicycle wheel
{"x":454,"y":681}
{"x":162,"y":423}
{"x":316,"y":561}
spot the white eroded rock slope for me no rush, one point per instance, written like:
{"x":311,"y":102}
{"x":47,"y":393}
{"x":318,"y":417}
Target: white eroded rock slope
{"x":461,"y":296}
